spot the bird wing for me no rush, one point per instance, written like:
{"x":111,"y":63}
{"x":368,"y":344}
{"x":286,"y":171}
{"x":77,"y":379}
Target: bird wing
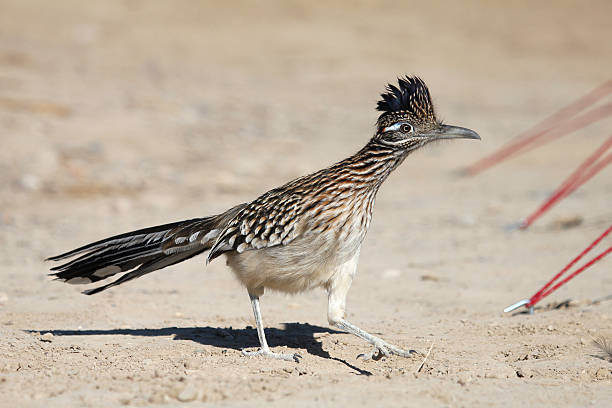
{"x":268,"y":221}
{"x":203,"y":232}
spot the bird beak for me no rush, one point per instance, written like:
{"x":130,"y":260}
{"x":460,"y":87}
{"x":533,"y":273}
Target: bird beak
{"x":453,"y":132}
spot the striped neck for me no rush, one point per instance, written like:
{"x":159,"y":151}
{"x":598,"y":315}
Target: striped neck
{"x":373,"y":163}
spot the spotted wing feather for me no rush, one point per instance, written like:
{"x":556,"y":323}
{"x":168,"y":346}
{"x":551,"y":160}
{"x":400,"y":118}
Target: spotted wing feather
{"x":265,"y":222}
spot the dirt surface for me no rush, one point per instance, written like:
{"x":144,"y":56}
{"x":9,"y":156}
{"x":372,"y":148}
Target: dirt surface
{"x":117,"y":115}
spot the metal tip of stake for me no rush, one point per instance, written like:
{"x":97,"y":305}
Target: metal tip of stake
{"x":515,"y":226}
{"x":517,"y":305}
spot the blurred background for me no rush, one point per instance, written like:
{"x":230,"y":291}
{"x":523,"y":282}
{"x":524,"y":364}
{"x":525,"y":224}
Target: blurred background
{"x":120,"y":114}
{"x":151,"y":101}
{"x":116,"y":115}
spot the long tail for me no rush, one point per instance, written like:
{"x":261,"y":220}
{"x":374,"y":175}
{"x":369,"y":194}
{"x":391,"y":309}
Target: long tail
{"x":139,"y":252}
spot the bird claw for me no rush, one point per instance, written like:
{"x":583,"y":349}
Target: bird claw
{"x":385,"y":350}
{"x":376,"y":354}
{"x":269,"y":354}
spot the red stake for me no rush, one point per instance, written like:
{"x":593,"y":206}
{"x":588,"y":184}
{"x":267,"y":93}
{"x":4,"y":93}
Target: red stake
{"x":545,"y":291}
{"x":526,"y":140}
{"x":571,"y":125}
{"x":581,"y":175}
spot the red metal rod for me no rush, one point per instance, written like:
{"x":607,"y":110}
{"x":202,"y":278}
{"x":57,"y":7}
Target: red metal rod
{"x":576,"y":272}
{"x":587,"y":169}
{"x":537,"y":131}
{"x":590,"y":172}
{"x":571,"y":125}
{"x":540,"y":294}
{"x":593,"y":170}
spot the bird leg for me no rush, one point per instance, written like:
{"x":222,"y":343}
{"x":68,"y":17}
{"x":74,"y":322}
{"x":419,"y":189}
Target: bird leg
{"x":337,"y":290}
{"x":264,"y":350}
{"x":381,"y":347}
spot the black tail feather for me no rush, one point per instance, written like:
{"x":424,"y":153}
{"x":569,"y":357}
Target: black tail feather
{"x":146,"y":250}
{"x":106,"y":266}
{"x":140,"y":252}
{"x":123,"y":238}
{"x":100,"y":257}
{"x":153,"y":265}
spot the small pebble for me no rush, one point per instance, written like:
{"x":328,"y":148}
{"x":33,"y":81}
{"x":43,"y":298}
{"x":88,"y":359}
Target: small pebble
{"x":391,"y":273}
{"x":603,"y":373}
{"x":524,"y":373}
{"x":193,"y":364}
{"x":464,"y":379}
{"x":567,"y":222}
{"x":188,"y":394}
{"x":293,"y":305}
{"x":158,"y":398}
{"x":29,"y":182}
{"x":47,"y":337}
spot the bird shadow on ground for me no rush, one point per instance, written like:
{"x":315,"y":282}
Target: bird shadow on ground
{"x":293,"y":335}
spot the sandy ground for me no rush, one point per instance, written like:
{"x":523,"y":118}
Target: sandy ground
{"x":117,"y":115}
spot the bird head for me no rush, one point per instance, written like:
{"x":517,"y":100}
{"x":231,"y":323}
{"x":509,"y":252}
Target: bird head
{"x":408,"y":121}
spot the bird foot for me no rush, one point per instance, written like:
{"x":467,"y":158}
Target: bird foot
{"x":267,"y":353}
{"x":383,"y":349}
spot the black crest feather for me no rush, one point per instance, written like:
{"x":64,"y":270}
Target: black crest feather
{"x":411,"y":96}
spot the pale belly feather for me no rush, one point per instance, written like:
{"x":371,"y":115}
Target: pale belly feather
{"x":307,"y":262}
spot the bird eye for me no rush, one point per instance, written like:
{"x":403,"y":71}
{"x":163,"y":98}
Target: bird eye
{"x":406,"y":128}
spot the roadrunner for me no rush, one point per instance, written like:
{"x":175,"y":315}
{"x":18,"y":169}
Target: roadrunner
{"x":300,"y":236}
